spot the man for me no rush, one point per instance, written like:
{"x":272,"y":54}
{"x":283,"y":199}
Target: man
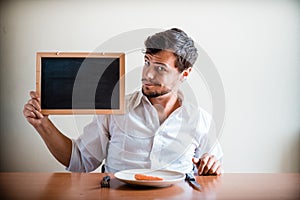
{"x":159,"y":129}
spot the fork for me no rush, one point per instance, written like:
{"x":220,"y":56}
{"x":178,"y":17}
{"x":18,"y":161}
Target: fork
{"x":105,"y":181}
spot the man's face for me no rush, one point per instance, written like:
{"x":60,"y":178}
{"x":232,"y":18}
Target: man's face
{"x":159,"y":75}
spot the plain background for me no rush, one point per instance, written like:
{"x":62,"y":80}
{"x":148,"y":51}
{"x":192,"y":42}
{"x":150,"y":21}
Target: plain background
{"x":255,"y":46}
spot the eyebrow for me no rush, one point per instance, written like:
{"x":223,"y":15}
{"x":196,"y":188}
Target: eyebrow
{"x":147,"y":57}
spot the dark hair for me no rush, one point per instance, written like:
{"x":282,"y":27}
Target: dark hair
{"x":178,"y":42}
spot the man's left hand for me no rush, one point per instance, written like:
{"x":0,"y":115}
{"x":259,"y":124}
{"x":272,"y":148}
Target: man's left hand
{"x":208,"y":165}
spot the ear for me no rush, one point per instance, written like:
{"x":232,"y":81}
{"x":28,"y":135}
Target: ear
{"x":185,"y":73}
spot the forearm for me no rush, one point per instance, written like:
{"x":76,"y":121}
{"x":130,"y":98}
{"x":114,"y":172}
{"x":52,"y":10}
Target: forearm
{"x":58,"y":144}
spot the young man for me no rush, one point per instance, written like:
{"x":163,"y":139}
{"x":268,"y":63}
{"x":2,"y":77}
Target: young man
{"x":159,"y":130}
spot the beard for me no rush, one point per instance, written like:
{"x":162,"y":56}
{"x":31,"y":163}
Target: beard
{"x":154,"y":94}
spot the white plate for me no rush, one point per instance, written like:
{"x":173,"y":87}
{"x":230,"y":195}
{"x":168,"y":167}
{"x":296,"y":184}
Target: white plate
{"x":170,"y":177}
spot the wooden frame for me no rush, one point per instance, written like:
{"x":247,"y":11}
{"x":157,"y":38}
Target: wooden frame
{"x":84,"y":55}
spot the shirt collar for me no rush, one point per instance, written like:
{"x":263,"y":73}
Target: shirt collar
{"x":138,"y":99}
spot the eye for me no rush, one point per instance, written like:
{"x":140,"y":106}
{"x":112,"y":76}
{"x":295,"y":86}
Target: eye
{"x":147,"y":63}
{"x":161,"y":68}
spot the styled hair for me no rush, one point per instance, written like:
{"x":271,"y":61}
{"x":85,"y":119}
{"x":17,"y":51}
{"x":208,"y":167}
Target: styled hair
{"x":176,"y":41}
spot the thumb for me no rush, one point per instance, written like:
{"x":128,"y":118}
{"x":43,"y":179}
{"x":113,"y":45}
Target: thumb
{"x":195,"y":160}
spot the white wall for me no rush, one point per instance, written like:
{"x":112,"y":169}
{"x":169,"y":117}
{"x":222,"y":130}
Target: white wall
{"x":253,"y":44}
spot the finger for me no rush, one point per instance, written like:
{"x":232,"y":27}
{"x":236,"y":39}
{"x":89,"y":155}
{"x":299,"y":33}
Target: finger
{"x":35,"y":103}
{"x":196,"y":161}
{"x":203,"y":161}
{"x":214,"y":167}
{"x":28,"y":111}
{"x":204,"y":156}
{"x":34,"y":95}
{"x":38,"y":114}
{"x":29,"y":107}
{"x":29,"y":114}
{"x":219,"y":171}
{"x":31,"y":120}
{"x":209,"y":164}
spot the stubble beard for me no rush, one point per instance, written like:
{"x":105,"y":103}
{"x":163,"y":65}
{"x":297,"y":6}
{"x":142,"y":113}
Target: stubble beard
{"x":155,"y":94}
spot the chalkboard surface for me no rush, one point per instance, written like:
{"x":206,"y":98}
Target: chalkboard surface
{"x":70,"y":83}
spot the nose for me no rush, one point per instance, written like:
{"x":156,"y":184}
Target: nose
{"x":149,"y":72}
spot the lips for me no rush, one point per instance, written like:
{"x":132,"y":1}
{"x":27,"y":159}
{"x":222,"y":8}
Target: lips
{"x":150,"y":83}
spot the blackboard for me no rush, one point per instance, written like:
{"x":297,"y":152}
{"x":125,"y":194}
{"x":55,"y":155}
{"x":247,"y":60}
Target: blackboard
{"x":80,"y":83}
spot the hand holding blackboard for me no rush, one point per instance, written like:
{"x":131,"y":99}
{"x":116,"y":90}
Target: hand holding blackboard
{"x":59,"y":145}
{"x":32,"y":110}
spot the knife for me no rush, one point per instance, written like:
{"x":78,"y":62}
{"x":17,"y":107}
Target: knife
{"x":192,"y":181}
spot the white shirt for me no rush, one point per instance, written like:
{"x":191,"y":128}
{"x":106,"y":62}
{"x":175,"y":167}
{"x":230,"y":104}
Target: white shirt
{"x":138,"y":140}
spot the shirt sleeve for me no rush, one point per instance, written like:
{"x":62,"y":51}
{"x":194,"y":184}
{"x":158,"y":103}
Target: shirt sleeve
{"x":90,"y":149}
{"x":209,"y":139}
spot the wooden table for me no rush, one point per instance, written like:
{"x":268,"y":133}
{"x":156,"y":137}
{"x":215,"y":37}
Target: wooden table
{"x":74,"y":186}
